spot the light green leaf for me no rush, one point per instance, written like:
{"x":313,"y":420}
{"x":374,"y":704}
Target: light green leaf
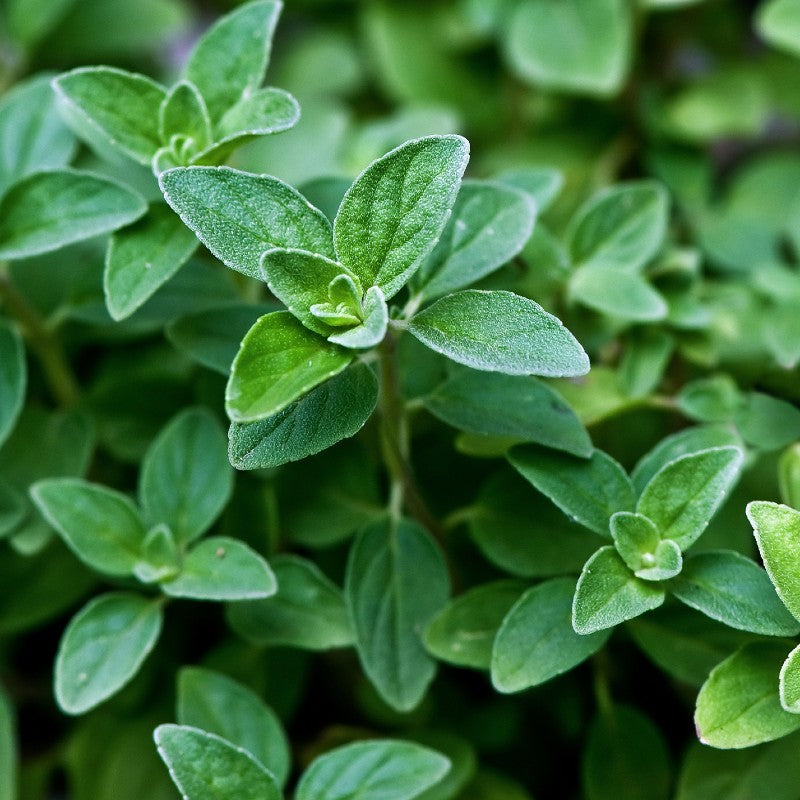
{"x":789,"y":686}
{"x":278,"y":362}
{"x":392,"y":215}
{"x":626,"y":758}
{"x":142,"y":258}
{"x":667,"y":562}
{"x":307,"y":612}
{"x":329,"y":413}
{"x":32,"y":134}
{"x":536,"y":641}
{"x":185,"y":479}
{"x":112,"y":109}
{"x":489,"y":225}
{"x":767,"y":422}
{"x":220,"y":568}
{"x":739,"y":705}
{"x":216,"y":704}
{"x":777,"y":531}
{"x":239,"y":216}
{"x":373,"y":770}
{"x":520,"y":407}
{"x":683,"y":496}
{"x":103,"y":647}
{"x":183,"y":113}
{"x":29,"y":21}
{"x":622,"y":226}
{"x":588,"y":491}
{"x":579,"y":46}
{"x":617,"y":292}
{"x":499,"y":331}
{"x":608,"y":593}
{"x":645,"y":361}
{"x":13,"y":378}
{"x":8,"y":749}
{"x":161,"y":557}
{"x":229,"y":61}
{"x":206,"y":767}
{"x":638,"y":542}
{"x":789,"y":476}
{"x":49,"y":210}
{"x":778,"y":22}
{"x":101,"y":526}
{"x":713,"y":399}
{"x":541,"y":184}
{"x":372,"y":329}
{"x":463,"y":632}
{"x":730,"y":588}
{"x":396,"y":581}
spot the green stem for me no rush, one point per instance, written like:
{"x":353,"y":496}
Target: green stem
{"x":48,"y":350}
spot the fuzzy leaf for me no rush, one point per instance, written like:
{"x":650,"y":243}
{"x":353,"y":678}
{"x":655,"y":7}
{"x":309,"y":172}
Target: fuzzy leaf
{"x":373,"y":770}
{"x":13,"y":378}
{"x":394,"y":212}
{"x":499,"y":331}
{"x":329,"y":413}
{"x":536,"y":641}
{"x":239,"y":216}
{"x":183,"y":113}
{"x":618,"y":293}
{"x":730,"y":588}
{"x":588,"y":491}
{"x":220,"y":568}
{"x":206,"y":767}
{"x":739,"y":705}
{"x":185,"y":479}
{"x":230,"y":59}
{"x":103,"y":647}
{"x":216,"y":704}
{"x":789,"y":686}
{"x":372,"y":329}
{"x":608,"y":593}
{"x":101,"y":526}
{"x":396,"y":581}
{"x":48,"y":210}
{"x":683,"y":496}
{"x":142,"y":258}
{"x":635,"y":536}
{"x":113,"y":109}
{"x":278,"y":362}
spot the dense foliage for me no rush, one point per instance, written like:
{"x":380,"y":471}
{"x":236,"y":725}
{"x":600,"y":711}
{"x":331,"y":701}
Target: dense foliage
{"x":497,"y":301}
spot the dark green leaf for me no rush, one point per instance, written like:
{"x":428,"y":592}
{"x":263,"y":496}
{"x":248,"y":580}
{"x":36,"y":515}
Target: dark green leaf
{"x":8,"y":748}
{"x":13,"y":378}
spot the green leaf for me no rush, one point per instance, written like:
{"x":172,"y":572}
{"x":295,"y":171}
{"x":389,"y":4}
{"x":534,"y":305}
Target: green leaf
{"x":489,"y":225}
{"x":645,"y":361}
{"x":142,"y":258}
{"x":394,"y":212}
{"x":730,"y":588}
{"x":396,"y":581}
{"x":541,"y":184}
{"x":307,"y":612}
{"x":13,"y":378}
{"x":777,"y":531}
{"x":463,"y":632}
{"x":161,"y":556}
{"x":592,"y":59}
{"x":183,"y":113}
{"x":278,"y":362}
{"x":8,"y":749}
{"x":239,"y":216}
{"x":101,"y":526}
{"x":13,"y":509}
{"x":112,"y":109}
{"x":778,"y":23}
{"x":523,"y":533}
{"x":216,"y":704}
{"x":329,"y":413}
{"x":622,"y":226}
{"x":520,"y":407}
{"x":739,"y":705}
{"x":588,"y":491}
{"x":536,"y":641}
{"x":767,"y":422}
{"x":626,"y":758}
{"x":221,"y":568}
{"x":608,"y":593}
{"x":638,"y":542}
{"x":789,"y":686}
{"x":32,"y":134}
{"x":667,"y":562}
{"x":683,"y":496}
{"x":713,"y":399}
{"x":372,"y":328}
{"x":229,"y":61}
{"x":103,"y":647}
{"x":618,"y":293}
{"x":206,"y":767}
{"x":373,"y":770}
{"x":49,"y":210}
{"x":499,"y":331}
{"x":185,"y":479}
